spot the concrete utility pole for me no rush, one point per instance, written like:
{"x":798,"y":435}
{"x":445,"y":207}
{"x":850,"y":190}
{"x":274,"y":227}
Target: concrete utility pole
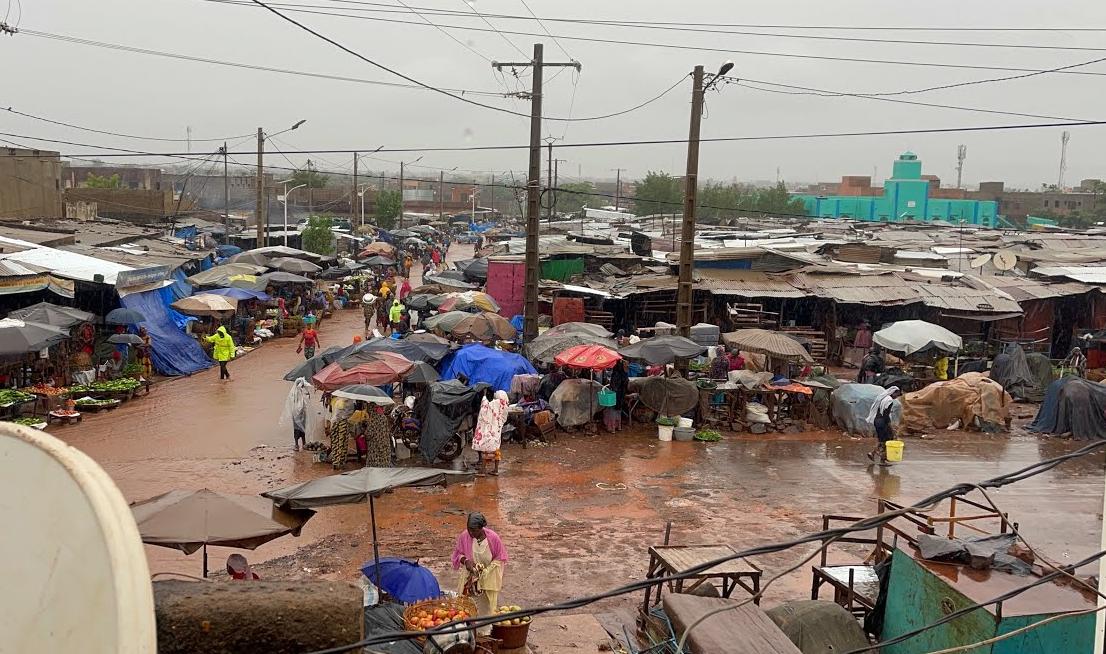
{"x":961,"y":155}
{"x":549,"y":182}
{"x":226,"y":198}
{"x":533,"y":208}
{"x":691,"y":190}
{"x":441,"y":195}
{"x":259,"y":211}
{"x":618,"y":186}
{"x":400,"y":195}
{"x":353,"y":193}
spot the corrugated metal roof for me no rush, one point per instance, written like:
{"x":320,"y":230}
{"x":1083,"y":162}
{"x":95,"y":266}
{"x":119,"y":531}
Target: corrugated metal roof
{"x":64,"y":264}
{"x":746,"y":283}
{"x":1022,"y":289}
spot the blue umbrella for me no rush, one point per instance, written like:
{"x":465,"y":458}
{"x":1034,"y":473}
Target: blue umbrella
{"x":404,"y":580}
{"x":240,"y":294}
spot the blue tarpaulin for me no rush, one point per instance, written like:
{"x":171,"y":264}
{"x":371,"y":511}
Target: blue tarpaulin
{"x":173,"y":351}
{"x":186,"y":232}
{"x":480,"y":363}
{"x":239,"y":294}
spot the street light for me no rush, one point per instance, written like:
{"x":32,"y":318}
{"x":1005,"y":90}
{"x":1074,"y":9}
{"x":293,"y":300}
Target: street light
{"x":401,"y":165}
{"x":361,"y":194}
{"x":286,"y":192}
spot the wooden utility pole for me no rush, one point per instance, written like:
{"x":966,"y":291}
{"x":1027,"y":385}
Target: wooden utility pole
{"x":617,"y":187}
{"x":353,"y":195}
{"x":441,"y":195}
{"x":400,"y":195}
{"x":533,"y":208}
{"x":691,"y":189}
{"x":226,"y":198}
{"x":259,"y":211}
{"x":549,"y":183}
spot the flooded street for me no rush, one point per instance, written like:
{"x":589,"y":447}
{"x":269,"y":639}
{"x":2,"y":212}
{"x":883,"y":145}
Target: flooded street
{"x":578,"y":515}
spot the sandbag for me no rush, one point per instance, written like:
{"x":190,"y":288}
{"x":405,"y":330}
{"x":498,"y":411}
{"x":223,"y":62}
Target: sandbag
{"x":818,"y":626}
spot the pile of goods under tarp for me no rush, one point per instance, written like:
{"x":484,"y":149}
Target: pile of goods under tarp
{"x":971,"y":401}
{"x":1072,"y":406}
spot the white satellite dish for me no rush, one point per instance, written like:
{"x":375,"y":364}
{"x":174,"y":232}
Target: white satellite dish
{"x":74,"y":569}
{"x":980,"y":261}
{"x":1005,"y":260}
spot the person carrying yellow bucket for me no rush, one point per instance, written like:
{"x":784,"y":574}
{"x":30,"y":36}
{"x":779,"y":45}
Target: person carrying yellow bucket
{"x":879,"y":416}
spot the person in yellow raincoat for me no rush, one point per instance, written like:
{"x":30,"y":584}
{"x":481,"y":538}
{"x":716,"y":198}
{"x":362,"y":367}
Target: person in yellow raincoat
{"x":222,"y":350}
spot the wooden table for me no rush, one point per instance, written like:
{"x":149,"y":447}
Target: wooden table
{"x":674,"y":559}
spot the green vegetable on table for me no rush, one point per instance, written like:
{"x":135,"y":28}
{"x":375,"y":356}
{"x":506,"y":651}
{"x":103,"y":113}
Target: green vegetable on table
{"x":88,"y":401}
{"x":27,"y":421}
{"x":9,"y":396}
{"x":113,"y":386}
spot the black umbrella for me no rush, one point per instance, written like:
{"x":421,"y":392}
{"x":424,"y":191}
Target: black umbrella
{"x":19,"y":337}
{"x":413,"y":350}
{"x":377,"y":260}
{"x":128,"y":339}
{"x":419,"y":302}
{"x":422,"y":373}
{"x":308,"y":368}
{"x":124,"y":316}
{"x":403,"y":233}
{"x":662,"y":349}
{"x":52,"y":314}
{"x":473,"y":269}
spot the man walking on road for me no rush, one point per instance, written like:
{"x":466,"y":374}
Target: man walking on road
{"x":222,"y":350}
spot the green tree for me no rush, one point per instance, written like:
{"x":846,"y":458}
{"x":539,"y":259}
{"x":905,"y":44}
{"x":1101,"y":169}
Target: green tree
{"x":574,"y":196}
{"x":317,"y":236}
{"x":778,"y":200}
{"x":387,"y":209}
{"x":658,"y":193}
{"x":103,"y":181}
{"x":310,"y":177}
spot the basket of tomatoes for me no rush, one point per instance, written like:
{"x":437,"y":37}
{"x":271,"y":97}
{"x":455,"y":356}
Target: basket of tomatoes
{"x":429,"y":614}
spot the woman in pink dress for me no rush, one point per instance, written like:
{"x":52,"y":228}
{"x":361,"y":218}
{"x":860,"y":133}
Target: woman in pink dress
{"x":479,"y":555}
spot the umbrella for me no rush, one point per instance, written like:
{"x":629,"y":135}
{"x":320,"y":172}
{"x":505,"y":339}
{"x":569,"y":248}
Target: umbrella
{"x":418,"y":301}
{"x":662,"y":349}
{"x":124,"y":316}
{"x":280,"y":277}
{"x":252,"y":257}
{"x":19,"y":337}
{"x":361,"y":485}
{"x":376,"y":369}
{"x":128,"y":339}
{"x":379,"y":247}
{"x":769,"y":343}
{"x":427,"y":337}
{"x":239,"y":294}
{"x":423,"y":229}
{"x":910,"y":336}
{"x":364,"y":393}
{"x":413,"y":350}
{"x":205,"y":305}
{"x":577,"y":327}
{"x":379,"y":260}
{"x":468,"y":300}
{"x":449,"y":282}
{"x":188,"y":520}
{"x":413,"y":240}
{"x":588,"y":357}
{"x":445,"y":322}
{"x":248,"y":282}
{"x":221,"y":275}
{"x":404,"y":580}
{"x":54,"y":315}
{"x":422,"y":373}
{"x":403,"y":233}
{"x":281,"y":251}
{"x":292,"y":265}
{"x":485,"y":326}
{"x":546,"y":346}
{"x":474,"y":269}
{"x":309,"y":368}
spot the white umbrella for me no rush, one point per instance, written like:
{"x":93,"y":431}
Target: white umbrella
{"x":910,"y":336}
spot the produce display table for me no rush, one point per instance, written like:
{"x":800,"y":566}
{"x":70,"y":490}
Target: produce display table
{"x":674,"y":559}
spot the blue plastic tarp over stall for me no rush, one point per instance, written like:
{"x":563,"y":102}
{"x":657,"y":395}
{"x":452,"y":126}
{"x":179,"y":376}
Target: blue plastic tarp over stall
{"x":480,"y":363}
{"x":173,"y":352}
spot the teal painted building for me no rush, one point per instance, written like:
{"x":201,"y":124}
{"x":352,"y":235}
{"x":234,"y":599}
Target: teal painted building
{"x":906,"y":196}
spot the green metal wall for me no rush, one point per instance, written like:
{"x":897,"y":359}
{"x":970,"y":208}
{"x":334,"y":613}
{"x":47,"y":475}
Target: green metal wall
{"x":561,"y":269}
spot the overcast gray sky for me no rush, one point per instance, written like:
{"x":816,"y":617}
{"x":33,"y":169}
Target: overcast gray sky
{"x":155,"y":96}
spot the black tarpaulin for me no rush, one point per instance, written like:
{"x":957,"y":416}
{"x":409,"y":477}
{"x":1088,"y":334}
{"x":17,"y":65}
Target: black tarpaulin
{"x":441,"y":409}
{"x":1012,"y":372}
{"x":1072,"y":405}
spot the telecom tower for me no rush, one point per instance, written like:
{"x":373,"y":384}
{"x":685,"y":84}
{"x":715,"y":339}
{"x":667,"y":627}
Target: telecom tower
{"x":961,"y":155}
{"x":1064,"y":138}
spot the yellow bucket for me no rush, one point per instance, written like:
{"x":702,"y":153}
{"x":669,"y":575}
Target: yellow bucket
{"x":894,"y":450}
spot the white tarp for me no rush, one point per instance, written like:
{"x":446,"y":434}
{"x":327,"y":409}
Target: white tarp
{"x":910,"y":336}
{"x":62,"y":263}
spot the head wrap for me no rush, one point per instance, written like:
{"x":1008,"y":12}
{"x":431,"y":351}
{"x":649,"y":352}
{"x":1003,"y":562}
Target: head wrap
{"x":477,"y":520}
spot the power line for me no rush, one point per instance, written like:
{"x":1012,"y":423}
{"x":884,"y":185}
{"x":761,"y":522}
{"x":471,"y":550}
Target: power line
{"x":711,"y":27}
{"x":546,"y":30}
{"x":675,"y":46}
{"x":804,"y":90}
{"x":865,"y":524}
{"x":454,"y":38}
{"x":489,"y":24}
{"x":108,"y":133}
{"x":122,"y":152}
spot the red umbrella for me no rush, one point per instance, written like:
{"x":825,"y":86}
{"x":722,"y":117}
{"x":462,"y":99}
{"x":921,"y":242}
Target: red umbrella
{"x":589,"y":357}
{"x":377,"y":369}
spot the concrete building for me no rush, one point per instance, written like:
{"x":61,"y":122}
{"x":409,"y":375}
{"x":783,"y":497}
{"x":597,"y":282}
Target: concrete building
{"x":907,"y":195}
{"x":132,"y":177}
{"x":30,"y":183}
{"x":1017,"y":205}
{"x":206,"y":191}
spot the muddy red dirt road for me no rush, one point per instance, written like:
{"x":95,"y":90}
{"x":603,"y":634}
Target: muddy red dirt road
{"x":578,"y":515}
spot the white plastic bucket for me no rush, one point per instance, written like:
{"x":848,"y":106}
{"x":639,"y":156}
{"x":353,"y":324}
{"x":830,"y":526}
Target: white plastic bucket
{"x":683,"y":422}
{"x":664,"y":432}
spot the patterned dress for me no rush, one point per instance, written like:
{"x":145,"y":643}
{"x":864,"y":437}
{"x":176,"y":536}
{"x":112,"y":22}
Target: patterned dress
{"x":339,"y":443}
{"x":378,"y":440}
